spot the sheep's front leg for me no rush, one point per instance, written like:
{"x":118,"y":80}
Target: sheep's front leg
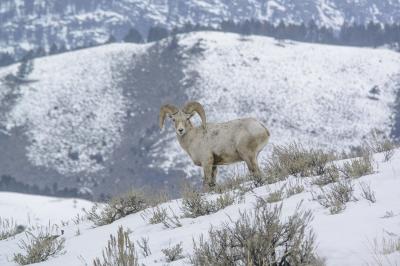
{"x":209,"y":181}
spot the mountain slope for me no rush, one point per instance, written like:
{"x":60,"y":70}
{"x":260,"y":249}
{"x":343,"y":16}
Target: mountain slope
{"x":88,"y":119}
{"x":343,"y":239}
{"x":40,"y":23}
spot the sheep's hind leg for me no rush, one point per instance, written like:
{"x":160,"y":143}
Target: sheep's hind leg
{"x":255,"y":171}
{"x":214,"y":175}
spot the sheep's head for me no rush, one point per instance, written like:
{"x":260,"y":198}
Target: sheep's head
{"x":181,"y":118}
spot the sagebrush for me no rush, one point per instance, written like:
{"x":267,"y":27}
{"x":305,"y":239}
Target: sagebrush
{"x":116,"y":208}
{"x":39,"y":246}
{"x":119,"y":251}
{"x":260,"y":237}
{"x":194,"y":204}
{"x":173,"y":253}
{"x":9,"y":228}
{"x":336,"y":196}
{"x":294,"y":159}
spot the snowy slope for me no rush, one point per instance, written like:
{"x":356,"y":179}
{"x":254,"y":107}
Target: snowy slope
{"x":343,"y":239}
{"x":91,"y":115}
{"x":40,"y":23}
{"x":70,"y":97}
{"x":301,"y":92}
{"x":33,"y":210}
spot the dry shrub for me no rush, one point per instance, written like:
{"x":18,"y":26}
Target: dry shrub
{"x":294,"y":159}
{"x":144,"y":246}
{"x":336,"y":196}
{"x":40,"y":246}
{"x":120,"y":251}
{"x":9,"y":228}
{"x":194,"y":204}
{"x":116,"y":208}
{"x":158,"y":215}
{"x":331,"y":175}
{"x":173,"y":253}
{"x":234,"y":183}
{"x":358,"y":167}
{"x":259,"y":237}
{"x":294,"y":188}
{"x":378,"y":141}
{"x":367,"y":193}
{"x":385,"y":251}
{"x":275,"y":196}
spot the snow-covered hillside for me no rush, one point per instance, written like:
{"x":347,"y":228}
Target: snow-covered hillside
{"x":343,"y":239}
{"x":302,"y":92}
{"x":33,"y":210}
{"x":40,"y":23}
{"x":89,"y":118}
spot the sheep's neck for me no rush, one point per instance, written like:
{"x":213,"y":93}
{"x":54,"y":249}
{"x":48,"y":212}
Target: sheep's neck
{"x":185,"y":140}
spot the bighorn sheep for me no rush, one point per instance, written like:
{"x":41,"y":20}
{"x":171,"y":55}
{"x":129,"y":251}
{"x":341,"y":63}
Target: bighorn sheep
{"x":216,"y":144}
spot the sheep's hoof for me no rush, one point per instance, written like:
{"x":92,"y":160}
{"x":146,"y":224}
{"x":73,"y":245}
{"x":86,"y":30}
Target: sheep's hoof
{"x":208,"y":187}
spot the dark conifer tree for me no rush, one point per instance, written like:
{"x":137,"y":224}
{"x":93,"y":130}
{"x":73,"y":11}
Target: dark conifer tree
{"x":53,"y":49}
{"x":157,"y":33}
{"x":133,"y":36}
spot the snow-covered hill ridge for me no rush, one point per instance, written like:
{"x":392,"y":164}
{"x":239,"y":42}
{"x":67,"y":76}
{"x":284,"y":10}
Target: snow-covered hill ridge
{"x":343,"y":239}
{"x":40,"y":23}
{"x":94,"y":111}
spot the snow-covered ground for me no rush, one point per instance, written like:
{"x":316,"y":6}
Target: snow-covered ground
{"x":343,"y":239}
{"x":34,"y":210}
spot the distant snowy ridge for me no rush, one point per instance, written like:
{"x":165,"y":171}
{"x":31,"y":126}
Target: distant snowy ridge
{"x":29,"y":24}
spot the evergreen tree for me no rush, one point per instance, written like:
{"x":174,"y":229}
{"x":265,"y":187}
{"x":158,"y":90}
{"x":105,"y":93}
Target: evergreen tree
{"x":39,"y":52}
{"x":157,"y":33}
{"x":25,"y":68}
{"x":62,"y":49}
{"x":133,"y":36}
{"x":111,"y":39}
{"x":6,"y":59}
{"x":53,"y":49}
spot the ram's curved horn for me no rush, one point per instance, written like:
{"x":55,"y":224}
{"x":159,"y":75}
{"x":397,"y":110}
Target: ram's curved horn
{"x":166,"y":109}
{"x":191,"y":107}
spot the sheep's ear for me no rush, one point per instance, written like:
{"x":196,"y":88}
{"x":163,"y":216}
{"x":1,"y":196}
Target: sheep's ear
{"x":165,"y":110}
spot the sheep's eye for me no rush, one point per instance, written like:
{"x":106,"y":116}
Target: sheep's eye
{"x":173,"y":119}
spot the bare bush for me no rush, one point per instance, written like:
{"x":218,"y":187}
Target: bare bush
{"x":40,"y":246}
{"x":194,"y":204}
{"x":358,"y":167}
{"x":172,"y":221}
{"x":294,"y":159}
{"x":144,"y":246}
{"x":367,"y":193}
{"x":275,"y":196}
{"x":158,"y":215}
{"x":173,"y":253}
{"x":259,"y":238}
{"x":234,"y":183}
{"x":119,"y":251}
{"x":378,"y":141}
{"x":293,"y":188}
{"x":116,"y":208}
{"x":9,"y":228}
{"x":331,"y":175}
{"x":336,"y":196}
{"x":382,"y":249}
